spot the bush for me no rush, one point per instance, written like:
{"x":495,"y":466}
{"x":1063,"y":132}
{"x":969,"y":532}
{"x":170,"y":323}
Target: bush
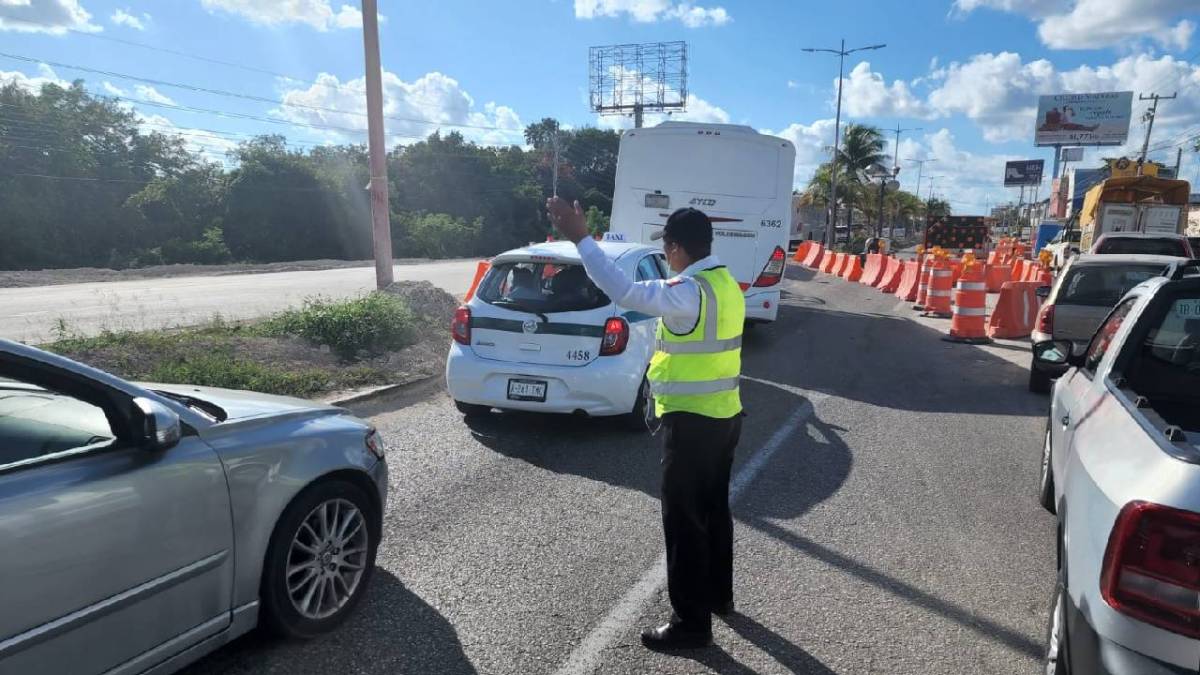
{"x":210,"y":249}
{"x":374,"y":323}
{"x":435,"y":235}
{"x":225,"y":370}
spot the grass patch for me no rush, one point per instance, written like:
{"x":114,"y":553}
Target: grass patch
{"x":323,"y":346}
{"x":374,"y":323}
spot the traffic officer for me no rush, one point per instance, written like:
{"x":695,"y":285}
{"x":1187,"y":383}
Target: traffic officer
{"x":694,"y":375}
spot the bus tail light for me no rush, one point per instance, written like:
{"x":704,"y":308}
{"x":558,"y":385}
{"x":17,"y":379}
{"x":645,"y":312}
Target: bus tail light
{"x":773,"y":273}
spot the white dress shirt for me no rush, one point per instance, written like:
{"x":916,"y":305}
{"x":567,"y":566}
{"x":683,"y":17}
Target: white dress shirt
{"x":676,"y":300}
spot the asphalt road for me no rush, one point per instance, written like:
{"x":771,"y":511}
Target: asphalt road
{"x":31,"y":314}
{"x":885,"y":521}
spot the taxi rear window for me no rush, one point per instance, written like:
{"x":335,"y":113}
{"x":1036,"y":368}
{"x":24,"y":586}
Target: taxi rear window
{"x":541,"y":287}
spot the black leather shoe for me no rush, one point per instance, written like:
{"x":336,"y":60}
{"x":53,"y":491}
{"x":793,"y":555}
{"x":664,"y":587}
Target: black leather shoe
{"x":724,"y":609}
{"x":671,"y":636}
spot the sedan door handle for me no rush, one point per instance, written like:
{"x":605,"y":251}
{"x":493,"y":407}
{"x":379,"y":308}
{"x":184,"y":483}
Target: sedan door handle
{"x":1066,"y":420}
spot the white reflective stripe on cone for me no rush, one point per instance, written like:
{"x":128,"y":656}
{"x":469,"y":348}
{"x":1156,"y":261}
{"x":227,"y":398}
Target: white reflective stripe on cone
{"x":939,"y":294}
{"x":701,"y":387}
{"x":970,"y":311}
{"x":971,"y":286}
{"x":941,"y":273}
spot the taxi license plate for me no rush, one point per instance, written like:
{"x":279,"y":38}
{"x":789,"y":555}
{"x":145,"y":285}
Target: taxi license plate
{"x":527,"y":390}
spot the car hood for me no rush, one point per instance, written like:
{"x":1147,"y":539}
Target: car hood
{"x":243,"y":405}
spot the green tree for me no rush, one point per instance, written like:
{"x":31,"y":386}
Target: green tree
{"x":861,"y":148}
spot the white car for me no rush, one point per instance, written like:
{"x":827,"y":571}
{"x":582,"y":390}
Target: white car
{"x":539,"y":336}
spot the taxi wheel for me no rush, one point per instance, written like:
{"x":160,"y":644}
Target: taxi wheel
{"x":472,"y":409}
{"x":642,"y":417}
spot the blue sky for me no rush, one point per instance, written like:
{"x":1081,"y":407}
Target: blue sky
{"x":967,"y":72}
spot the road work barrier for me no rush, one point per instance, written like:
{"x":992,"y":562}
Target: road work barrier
{"x":830,"y":261}
{"x":941,"y":283}
{"x":968,"y":321}
{"x":1015,"y":311}
{"x":1018,"y":269}
{"x":873,"y":270}
{"x":802,"y":251}
{"x":996,"y":275}
{"x":853,"y":269}
{"x":910,"y":280}
{"x":889,"y":281}
{"x":840,"y":265}
{"x":481,"y":269}
{"x":815,"y":252}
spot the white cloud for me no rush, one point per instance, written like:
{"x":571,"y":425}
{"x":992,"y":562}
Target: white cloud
{"x":414,"y":110}
{"x":813,"y":143}
{"x":32,"y":83}
{"x":151,"y":94}
{"x":112,"y":89}
{"x":124,"y":17}
{"x":318,"y":14}
{"x":698,"y":110}
{"x":45,"y":16}
{"x":650,"y":11}
{"x":792,"y":84}
{"x":867,"y":94}
{"x":970,"y":181}
{"x":212,"y":146}
{"x":1092,"y":24}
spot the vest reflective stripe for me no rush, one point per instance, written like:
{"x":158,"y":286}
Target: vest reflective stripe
{"x":702,"y":347}
{"x":698,"y":371}
{"x":702,"y":387}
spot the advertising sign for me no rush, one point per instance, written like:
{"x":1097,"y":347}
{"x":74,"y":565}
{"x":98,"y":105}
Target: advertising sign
{"x":956,"y":232}
{"x":1083,"y":119}
{"x":1072,"y":154}
{"x":1023,"y":172}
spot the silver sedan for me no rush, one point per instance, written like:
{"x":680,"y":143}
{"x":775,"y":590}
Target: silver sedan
{"x":145,"y":526}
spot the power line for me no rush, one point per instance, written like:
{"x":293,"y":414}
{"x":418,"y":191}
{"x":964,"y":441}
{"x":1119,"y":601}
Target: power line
{"x":248,"y":97}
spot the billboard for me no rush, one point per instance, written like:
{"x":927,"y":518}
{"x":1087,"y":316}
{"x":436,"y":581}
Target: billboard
{"x":956,"y":232}
{"x":1023,"y":172}
{"x":1072,"y":154}
{"x":1083,"y":119}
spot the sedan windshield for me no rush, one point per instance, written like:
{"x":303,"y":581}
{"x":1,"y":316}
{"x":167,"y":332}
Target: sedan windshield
{"x":1166,"y":369}
{"x":541,"y":287}
{"x":1103,"y":285}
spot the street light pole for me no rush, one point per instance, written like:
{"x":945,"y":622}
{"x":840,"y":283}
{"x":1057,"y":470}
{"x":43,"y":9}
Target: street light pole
{"x":842,"y":53}
{"x":920,"y":167}
{"x":377,"y":147}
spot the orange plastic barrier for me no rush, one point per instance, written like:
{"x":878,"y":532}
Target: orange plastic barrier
{"x":893,"y":272}
{"x":1018,"y":269}
{"x":941,"y":283}
{"x":968,"y":322}
{"x":829,"y":262}
{"x":853,"y":269}
{"x":1036,"y":272}
{"x":876,"y":262}
{"x":813,"y":259}
{"x":1015,"y":311}
{"x":480,"y":269}
{"x":910,"y":280}
{"x":801,"y":251}
{"x":840,"y":266}
{"x":995,"y":276}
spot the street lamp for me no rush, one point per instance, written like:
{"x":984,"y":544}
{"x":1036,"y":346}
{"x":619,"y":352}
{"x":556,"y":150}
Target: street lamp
{"x":887,"y":183}
{"x":842,"y":53}
{"x":920,"y":167}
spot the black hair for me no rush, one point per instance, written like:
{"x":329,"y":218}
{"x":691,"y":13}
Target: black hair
{"x":691,"y":229}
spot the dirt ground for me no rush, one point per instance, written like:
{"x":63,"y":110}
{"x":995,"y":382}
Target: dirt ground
{"x":82,"y":275}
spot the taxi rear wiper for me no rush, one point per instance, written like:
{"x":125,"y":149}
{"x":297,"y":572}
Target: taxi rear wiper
{"x":511,"y":304}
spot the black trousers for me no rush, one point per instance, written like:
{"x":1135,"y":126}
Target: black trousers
{"x":697,"y":458}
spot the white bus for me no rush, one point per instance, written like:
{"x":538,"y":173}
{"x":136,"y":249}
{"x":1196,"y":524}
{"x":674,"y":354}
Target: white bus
{"x":742,"y":179}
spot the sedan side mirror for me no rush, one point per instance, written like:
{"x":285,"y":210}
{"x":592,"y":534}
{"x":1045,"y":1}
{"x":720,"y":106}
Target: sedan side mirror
{"x":1054,"y":352}
{"x":1043,"y":292}
{"x":161,"y":428}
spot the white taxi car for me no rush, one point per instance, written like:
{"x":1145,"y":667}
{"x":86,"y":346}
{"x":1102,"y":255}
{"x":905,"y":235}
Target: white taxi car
{"x":538,"y":335}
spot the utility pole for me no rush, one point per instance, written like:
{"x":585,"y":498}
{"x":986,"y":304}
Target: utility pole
{"x":1178,"y":161}
{"x":920,"y":167}
{"x":554,"y":175}
{"x":842,"y":53}
{"x":637,"y":116}
{"x":896,"y":150}
{"x":1149,"y":118}
{"x":377,"y":146}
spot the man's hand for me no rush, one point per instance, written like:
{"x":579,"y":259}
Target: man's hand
{"x":568,"y":219}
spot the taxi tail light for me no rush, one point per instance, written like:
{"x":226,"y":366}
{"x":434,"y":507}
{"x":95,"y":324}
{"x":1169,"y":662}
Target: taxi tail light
{"x":460,"y":326}
{"x":1045,"y":319}
{"x":773,"y":273}
{"x":1151,"y":569}
{"x":616,"y":337}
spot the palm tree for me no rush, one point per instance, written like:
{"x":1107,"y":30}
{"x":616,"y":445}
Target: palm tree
{"x":862,"y":147}
{"x":937,"y":207}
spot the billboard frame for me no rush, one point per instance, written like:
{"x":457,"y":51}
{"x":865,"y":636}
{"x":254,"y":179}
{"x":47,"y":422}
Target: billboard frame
{"x":1047,"y":116}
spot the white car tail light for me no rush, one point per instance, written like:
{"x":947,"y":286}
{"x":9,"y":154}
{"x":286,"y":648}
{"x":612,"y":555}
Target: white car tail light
{"x":773,"y":273}
{"x":460,"y":326}
{"x":1152,"y":567}
{"x":616,"y":337}
{"x":1045,"y":320}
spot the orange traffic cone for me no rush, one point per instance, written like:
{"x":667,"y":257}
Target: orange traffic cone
{"x":941,"y":282}
{"x":969,"y":320}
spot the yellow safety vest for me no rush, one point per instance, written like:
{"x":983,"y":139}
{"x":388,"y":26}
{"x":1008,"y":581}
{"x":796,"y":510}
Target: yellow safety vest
{"x":697,"y":372}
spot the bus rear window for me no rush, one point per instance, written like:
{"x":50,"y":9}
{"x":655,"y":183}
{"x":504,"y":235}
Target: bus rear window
{"x":541,"y":287}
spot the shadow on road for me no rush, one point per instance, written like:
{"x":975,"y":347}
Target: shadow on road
{"x":393,"y":631}
{"x":789,"y":655}
{"x":984,"y":627}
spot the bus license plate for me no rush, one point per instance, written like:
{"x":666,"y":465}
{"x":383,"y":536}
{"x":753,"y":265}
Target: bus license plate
{"x":527,"y":390}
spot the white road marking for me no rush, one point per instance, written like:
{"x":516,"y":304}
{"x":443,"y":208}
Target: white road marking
{"x":585,"y":658}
